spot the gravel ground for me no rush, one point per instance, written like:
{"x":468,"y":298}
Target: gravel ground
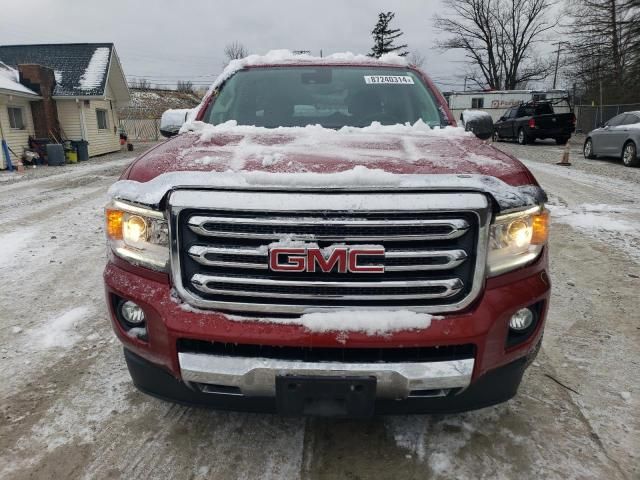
{"x":68,"y":409}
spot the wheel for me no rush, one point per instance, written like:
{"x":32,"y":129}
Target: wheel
{"x":588,"y":149}
{"x":630,"y":155}
{"x":523,"y":139}
{"x":562,"y":140}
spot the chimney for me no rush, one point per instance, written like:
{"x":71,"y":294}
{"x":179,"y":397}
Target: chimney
{"x":45,"y":114}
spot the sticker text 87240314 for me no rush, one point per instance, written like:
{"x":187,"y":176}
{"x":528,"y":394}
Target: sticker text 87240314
{"x":388,"y":79}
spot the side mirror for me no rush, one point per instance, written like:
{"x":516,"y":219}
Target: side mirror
{"x":172,"y":121}
{"x":479,"y":123}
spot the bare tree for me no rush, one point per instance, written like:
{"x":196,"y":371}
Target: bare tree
{"x":141,"y":83}
{"x":605,"y":48}
{"x":185,"y":86}
{"x":416,"y":59}
{"x":498,"y":37}
{"x":234,"y":51}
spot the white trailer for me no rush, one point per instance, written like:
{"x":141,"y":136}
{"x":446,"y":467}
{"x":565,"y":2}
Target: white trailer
{"x":497,"y":101}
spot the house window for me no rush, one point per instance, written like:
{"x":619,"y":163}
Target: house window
{"x":477,"y":102}
{"x":101,"y":115}
{"x":15,"y":118}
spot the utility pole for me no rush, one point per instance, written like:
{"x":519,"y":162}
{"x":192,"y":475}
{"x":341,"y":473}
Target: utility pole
{"x":601,"y":121}
{"x":555,"y":73}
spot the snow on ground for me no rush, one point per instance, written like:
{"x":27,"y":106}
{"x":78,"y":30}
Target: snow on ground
{"x":60,"y":331}
{"x":70,"y":411}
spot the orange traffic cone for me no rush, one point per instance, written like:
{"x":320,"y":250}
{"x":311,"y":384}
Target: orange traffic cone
{"x":565,"y":156}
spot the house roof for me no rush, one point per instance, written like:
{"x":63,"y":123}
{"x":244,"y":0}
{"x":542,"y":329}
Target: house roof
{"x":9,"y":83}
{"x":81,"y":69}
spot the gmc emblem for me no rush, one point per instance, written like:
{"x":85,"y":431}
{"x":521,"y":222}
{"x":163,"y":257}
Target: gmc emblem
{"x":311,"y":259}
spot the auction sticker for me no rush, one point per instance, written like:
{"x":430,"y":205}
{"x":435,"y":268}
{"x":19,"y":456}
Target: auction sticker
{"x":388,"y":79}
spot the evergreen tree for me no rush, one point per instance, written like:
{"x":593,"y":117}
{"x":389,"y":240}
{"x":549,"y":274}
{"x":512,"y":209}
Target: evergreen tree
{"x":383,"y":37}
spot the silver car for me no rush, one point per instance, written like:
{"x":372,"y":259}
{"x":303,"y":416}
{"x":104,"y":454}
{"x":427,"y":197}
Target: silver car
{"x":619,"y":137}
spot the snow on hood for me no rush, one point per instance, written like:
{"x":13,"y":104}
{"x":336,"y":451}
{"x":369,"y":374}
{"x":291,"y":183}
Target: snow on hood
{"x":359,"y":178}
{"x":229,"y":156}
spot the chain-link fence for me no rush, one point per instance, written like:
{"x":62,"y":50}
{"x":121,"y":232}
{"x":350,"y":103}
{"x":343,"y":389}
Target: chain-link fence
{"x":141,"y":128}
{"x":589,"y":117}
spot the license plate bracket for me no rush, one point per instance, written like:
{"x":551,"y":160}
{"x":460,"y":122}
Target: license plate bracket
{"x":326,"y":396}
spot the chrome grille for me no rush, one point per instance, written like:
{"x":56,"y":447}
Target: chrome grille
{"x":434,"y":249}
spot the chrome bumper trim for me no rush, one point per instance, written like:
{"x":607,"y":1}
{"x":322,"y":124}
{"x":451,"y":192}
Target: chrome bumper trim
{"x":257,"y":376}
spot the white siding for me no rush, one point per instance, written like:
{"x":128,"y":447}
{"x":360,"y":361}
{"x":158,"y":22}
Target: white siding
{"x":16,"y":139}
{"x":69,"y":118}
{"x":102,"y":141}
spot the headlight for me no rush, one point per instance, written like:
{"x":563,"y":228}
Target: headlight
{"x":516,"y":239}
{"x":139,"y":235}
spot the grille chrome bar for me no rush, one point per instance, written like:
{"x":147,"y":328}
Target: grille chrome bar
{"x":201,"y":282}
{"x":329,"y":204}
{"x":198,"y":224}
{"x":453,"y":258}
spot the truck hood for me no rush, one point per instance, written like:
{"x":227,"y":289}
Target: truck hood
{"x":375,"y":158}
{"x":398,"y":150}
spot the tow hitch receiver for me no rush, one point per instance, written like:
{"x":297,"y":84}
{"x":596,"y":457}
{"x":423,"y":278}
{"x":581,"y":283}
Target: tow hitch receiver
{"x":326,"y":396}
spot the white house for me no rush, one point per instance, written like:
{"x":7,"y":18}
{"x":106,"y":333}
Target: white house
{"x":80,"y":101}
{"x":16,"y":123}
{"x":495,"y":102}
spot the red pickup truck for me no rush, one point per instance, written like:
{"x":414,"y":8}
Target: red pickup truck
{"x":321,"y":239}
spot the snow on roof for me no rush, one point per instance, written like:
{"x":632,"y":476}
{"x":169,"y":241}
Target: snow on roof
{"x":95,"y":71}
{"x":79,"y":68}
{"x":10,"y":80}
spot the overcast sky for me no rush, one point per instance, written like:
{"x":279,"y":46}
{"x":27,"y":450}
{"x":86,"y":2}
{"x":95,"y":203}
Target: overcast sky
{"x":165,"y":41}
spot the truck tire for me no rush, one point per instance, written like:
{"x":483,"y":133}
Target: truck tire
{"x":562,"y":140}
{"x":523,"y":138}
{"x":630,"y":155}
{"x":587,"y":150}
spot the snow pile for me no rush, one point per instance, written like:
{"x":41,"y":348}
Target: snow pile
{"x":589,"y":217}
{"x":207,"y":132}
{"x":94,"y":74}
{"x":13,"y":242}
{"x":368,"y":321}
{"x":10,"y":80}
{"x":469,"y":115}
{"x":59,"y":331}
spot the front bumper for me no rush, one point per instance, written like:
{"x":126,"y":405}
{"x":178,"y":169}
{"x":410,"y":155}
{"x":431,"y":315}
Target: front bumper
{"x":493,"y":375}
{"x":257,"y":376}
{"x":494,"y":387}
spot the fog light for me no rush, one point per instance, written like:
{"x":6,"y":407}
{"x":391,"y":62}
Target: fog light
{"x":521,"y":320}
{"x":132,"y":313}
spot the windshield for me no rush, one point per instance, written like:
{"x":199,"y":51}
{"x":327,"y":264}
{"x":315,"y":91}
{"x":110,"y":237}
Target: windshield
{"x":333,"y":97}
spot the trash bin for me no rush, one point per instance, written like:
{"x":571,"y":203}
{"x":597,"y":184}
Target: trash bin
{"x":71,"y":156}
{"x":55,"y":154}
{"x":82,"y":147}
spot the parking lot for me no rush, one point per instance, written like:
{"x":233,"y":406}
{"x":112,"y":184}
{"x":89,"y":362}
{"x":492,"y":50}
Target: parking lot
{"x":68,"y":408}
